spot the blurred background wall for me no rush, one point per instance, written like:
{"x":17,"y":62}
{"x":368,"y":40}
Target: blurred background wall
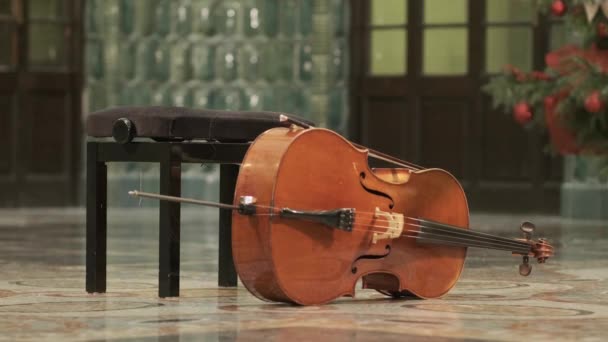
{"x":402,"y":76}
{"x":287,"y":56}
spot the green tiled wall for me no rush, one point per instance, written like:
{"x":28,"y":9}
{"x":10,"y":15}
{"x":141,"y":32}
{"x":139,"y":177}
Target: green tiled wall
{"x":584,"y":191}
{"x":278,"y":55}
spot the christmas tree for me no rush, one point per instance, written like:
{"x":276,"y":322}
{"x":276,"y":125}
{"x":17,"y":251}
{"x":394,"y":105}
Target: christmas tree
{"x":567,"y":98}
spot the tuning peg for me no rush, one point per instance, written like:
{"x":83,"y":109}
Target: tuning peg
{"x":525,"y":269}
{"x":528,"y":229}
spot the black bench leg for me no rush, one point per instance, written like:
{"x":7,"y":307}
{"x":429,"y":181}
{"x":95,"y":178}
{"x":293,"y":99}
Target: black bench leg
{"x":169,"y":222}
{"x":96,"y":221}
{"x":226,"y":272}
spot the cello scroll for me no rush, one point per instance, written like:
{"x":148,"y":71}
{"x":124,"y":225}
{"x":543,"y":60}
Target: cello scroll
{"x":541,"y":250}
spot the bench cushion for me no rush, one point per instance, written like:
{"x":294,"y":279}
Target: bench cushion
{"x":166,"y":123}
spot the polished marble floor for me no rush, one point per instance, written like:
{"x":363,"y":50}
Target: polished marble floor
{"x":42,"y":295}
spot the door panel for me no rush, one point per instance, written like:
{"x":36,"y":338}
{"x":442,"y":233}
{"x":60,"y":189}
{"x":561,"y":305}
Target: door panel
{"x":49,"y":132}
{"x":386,"y":127}
{"x":505,"y":155}
{"x":7,"y":43}
{"x":443,"y":127}
{"x":7,"y":120}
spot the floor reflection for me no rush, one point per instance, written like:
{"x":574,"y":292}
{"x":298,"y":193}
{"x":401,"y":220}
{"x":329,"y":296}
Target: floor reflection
{"x":42,"y":293}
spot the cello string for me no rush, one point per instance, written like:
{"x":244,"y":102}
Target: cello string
{"x":377,"y":219}
{"x":466,"y":241}
{"x":474,"y":242}
{"x":520,"y":247}
{"x":461,"y":242}
{"x":449,"y":229}
{"x":459,"y":234}
{"x":469,"y":244}
{"x":458,"y":231}
{"x":480,"y":238}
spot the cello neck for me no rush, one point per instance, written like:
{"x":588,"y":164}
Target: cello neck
{"x":432,"y":232}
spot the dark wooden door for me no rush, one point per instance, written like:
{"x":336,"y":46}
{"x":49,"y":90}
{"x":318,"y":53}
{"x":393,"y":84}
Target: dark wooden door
{"x":40,"y":92}
{"x":417,"y":71}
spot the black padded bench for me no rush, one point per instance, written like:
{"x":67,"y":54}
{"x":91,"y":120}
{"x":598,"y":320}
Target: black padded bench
{"x":176,"y":135}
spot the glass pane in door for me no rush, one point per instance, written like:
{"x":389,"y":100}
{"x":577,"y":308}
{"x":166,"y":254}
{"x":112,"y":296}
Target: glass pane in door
{"x":389,"y":12}
{"x":445,"y":12}
{"x":388,"y":52}
{"x":46,"y":45}
{"x":510,"y":11}
{"x":51,"y":9}
{"x":508,"y":45}
{"x":445,"y":51}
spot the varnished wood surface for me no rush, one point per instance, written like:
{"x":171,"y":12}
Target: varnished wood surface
{"x":251,"y":251}
{"x":308,"y":263}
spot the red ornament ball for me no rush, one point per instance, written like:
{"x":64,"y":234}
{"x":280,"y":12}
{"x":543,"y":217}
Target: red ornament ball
{"x":602,"y":30}
{"x":522,"y":113}
{"x":559,"y":8}
{"x":593,"y":102}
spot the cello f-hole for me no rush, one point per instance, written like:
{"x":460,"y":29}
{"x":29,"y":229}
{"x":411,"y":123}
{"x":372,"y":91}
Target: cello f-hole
{"x":374,"y":191}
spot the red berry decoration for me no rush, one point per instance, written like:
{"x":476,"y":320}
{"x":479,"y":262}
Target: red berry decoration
{"x":549,"y":101}
{"x":521,"y":77}
{"x":540,"y":76}
{"x":522,"y":113}
{"x":558,"y":8}
{"x":602,"y":30}
{"x":593,"y":102}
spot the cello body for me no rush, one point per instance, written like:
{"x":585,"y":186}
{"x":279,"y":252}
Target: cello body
{"x":310,"y":263}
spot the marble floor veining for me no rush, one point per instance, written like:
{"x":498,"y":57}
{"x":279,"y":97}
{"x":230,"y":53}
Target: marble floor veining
{"x":42,"y":295}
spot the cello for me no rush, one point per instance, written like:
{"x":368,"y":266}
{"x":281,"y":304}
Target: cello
{"x":311,"y":218}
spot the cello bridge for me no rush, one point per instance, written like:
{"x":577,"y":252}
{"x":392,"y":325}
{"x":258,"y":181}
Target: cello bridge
{"x":394,"y":227}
